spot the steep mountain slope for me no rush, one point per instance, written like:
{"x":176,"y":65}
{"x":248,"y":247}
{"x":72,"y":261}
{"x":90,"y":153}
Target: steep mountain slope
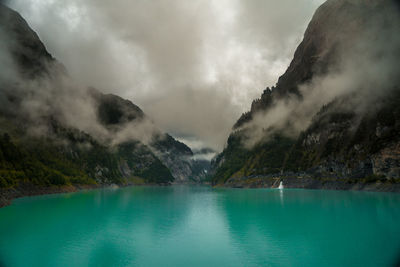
{"x":56,"y":133}
{"x":30,"y":55}
{"x":120,"y":115}
{"x":334,"y":113}
{"x":176,"y":156}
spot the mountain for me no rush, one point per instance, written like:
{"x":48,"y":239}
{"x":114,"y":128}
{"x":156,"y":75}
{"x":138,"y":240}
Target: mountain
{"x":117,"y":114}
{"x":332,"y":120}
{"x":56,"y":133}
{"x":37,"y":134}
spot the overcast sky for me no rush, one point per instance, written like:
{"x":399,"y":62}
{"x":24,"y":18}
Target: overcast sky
{"x":192,"y":66}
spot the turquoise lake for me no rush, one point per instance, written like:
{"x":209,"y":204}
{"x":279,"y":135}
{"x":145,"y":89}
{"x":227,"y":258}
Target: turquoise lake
{"x":201,"y":226}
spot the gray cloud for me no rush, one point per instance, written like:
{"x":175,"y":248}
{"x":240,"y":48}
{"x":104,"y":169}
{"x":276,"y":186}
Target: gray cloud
{"x":366,"y":70}
{"x":193,"y":66}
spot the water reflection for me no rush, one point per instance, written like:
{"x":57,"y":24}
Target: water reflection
{"x":314,"y":227}
{"x":200,"y":226}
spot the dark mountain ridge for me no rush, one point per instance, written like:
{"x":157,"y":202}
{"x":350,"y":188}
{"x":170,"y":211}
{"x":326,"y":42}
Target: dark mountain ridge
{"x":54,"y":133}
{"x":349,"y":50}
{"x":118,"y":114}
{"x":30,"y":54}
{"x":334,"y":28}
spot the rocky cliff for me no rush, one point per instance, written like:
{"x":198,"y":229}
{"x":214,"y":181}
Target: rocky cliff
{"x":119,"y":115}
{"x":55,"y":133}
{"x":339,"y":99}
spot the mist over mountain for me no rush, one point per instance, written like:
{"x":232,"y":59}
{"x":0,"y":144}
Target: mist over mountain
{"x":150,"y":120}
{"x":324,"y":117}
{"x":56,"y":132}
{"x":203,"y":61}
{"x":333,"y":114}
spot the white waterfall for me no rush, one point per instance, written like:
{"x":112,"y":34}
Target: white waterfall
{"x":280,"y":185}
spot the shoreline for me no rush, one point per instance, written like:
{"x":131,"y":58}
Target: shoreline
{"x":7,"y":195}
{"x":313,"y":183}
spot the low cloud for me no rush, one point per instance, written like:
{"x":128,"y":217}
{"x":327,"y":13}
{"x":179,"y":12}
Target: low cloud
{"x":193,"y":66}
{"x":366,"y":70}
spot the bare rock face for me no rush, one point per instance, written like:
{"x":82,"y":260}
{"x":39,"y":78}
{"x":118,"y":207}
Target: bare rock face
{"x":355,"y":134}
{"x":116,"y":113}
{"x":31,"y":56}
{"x":336,"y":26}
{"x":386,"y":162}
{"x":364,"y":145}
{"x":25,"y":45}
{"x":175,"y":155}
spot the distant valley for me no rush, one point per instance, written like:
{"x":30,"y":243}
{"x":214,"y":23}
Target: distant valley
{"x":55,"y":133}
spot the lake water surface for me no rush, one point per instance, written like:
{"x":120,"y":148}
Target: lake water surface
{"x":201,"y":226}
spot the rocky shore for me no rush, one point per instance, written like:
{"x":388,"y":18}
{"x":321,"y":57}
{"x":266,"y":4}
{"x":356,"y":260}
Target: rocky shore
{"x":370,"y":184}
{"x":8,"y":194}
{"x":331,"y":183}
{"x":27,"y":190}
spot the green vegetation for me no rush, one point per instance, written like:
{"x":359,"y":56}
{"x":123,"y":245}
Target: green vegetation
{"x":135,"y":180}
{"x":231,"y":159}
{"x":267,"y":157}
{"x":71,"y":157}
{"x":40,"y":166}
